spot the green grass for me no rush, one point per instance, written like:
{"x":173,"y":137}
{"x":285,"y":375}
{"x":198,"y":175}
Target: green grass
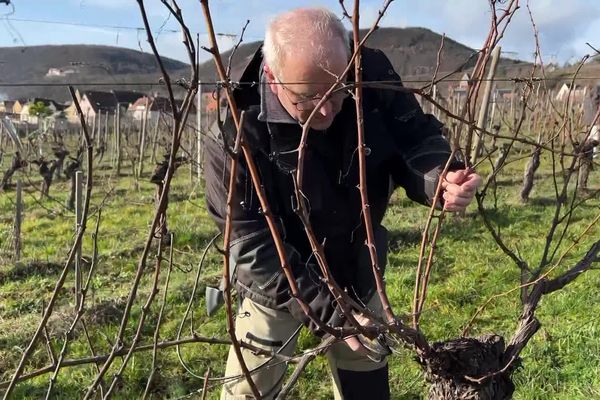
{"x":561,"y":362}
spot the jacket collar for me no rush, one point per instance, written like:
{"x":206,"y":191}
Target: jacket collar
{"x":271,"y":109}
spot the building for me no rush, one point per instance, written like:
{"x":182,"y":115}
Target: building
{"x":460,"y":90}
{"x":6,"y":107}
{"x":151,"y":108}
{"x":94,"y":103}
{"x":18,"y":106}
{"x":209,"y":103}
{"x":125,"y":98}
{"x":591,"y":106}
{"x":53,"y":107}
{"x":59,"y":72}
{"x":503,"y":94}
{"x":576,"y":93}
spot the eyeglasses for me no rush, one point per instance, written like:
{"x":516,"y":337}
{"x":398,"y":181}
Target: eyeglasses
{"x":308,"y":104}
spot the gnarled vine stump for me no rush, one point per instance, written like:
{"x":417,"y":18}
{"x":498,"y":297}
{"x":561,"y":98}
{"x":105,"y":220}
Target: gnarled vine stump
{"x":454,"y":365}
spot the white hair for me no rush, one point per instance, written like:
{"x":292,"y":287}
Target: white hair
{"x":311,"y":33}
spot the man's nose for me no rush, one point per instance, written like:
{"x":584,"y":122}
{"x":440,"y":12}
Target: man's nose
{"x":326,"y":108}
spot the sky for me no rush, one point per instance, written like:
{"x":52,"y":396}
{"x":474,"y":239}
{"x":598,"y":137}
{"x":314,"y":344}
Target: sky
{"x":564,"y":26}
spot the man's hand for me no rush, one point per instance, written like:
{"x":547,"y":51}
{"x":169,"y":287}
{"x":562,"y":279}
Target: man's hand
{"x":352,"y":341}
{"x":376,"y":349}
{"x":459,"y":189}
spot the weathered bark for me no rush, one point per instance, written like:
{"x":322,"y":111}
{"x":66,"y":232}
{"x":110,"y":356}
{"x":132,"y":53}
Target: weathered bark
{"x":480,"y":369}
{"x":162,"y":231}
{"x":100,"y":150}
{"x":72,"y":167}
{"x":586,"y":163}
{"x":16,"y":164}
{"x":46,"y":171}
{"x":495,"y":131}
{"x":502,"y":155}
{"x":60,"y":153}
{"x":454,"y":365}
{"x":532,"y":166}
{"x":157,"y":178}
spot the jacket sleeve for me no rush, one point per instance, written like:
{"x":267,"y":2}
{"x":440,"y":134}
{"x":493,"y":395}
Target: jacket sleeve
{"x":422,"y":150}
{"x":253,"y":255}
{"x":260,"y":276}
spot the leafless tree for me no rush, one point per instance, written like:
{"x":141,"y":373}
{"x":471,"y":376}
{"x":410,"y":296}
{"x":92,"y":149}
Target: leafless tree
{"x":459,"y":368}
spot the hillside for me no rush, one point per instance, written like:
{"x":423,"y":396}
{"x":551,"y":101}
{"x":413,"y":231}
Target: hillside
{"x":413,"y":53}
{"x":77,"y":63}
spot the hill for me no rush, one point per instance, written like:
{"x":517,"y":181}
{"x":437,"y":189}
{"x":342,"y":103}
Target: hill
{"x":412,"y":51}
{"x":55,"y":65}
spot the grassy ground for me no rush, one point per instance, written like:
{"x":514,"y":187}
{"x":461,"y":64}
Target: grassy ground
{"x":561,"y":362}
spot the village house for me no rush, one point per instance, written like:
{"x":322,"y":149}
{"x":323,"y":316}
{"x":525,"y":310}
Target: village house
{"x":455,"y":94}
{"x":150,"y":108}
{"x":576,"y":93}
{"x":209,"y":103}
{"x":59,"y":72}
{"x":6,"y":107}
{"x":458,"y":92}
{"x":55,"y":109}
{"x":501,"y":95}
{"x":18,"y":106}
{"x":71,"y":110}
{"x":138,"y":109}
{"x":125,"y":98}
{"x":93,"y":103}
{"x":463,"y":86}
{"x":591,"y":107}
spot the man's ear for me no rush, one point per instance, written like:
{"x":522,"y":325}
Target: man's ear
{"x":270,"y":79}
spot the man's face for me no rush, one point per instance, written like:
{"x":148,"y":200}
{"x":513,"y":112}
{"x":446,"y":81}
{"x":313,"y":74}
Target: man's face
{"x":302,"y":84}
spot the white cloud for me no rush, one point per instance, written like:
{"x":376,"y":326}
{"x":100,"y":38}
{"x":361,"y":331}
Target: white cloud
{"x":369,"y":14}
{"x":562,"y":30}
{"x":564,"y":27}
{"x":111,"y":4}
{"x":170,"y":45}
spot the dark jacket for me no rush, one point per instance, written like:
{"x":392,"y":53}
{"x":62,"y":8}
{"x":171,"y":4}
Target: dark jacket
{"x":591,"y":104}
{"x":405,"y":148}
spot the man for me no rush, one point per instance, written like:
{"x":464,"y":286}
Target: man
{"x":595,"y":136}
{"x":305,"y":50}
{"x":591,"y":106}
